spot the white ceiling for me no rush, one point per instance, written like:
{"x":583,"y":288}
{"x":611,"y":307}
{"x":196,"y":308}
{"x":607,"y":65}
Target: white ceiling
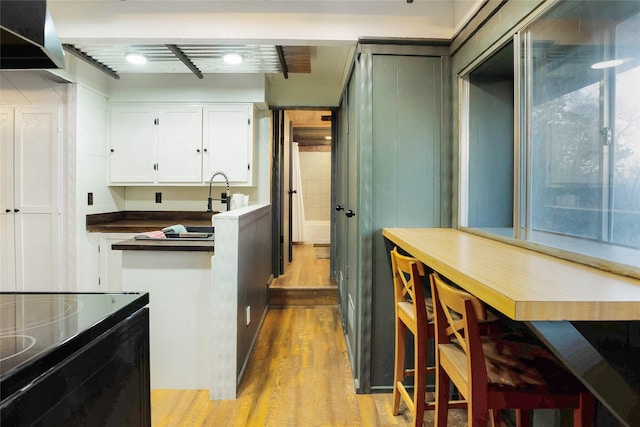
{"x":331,"y":28}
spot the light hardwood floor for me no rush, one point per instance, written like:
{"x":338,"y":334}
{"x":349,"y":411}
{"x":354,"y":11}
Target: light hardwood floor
{"x":298,"y":375}
{"x":307,"y":270}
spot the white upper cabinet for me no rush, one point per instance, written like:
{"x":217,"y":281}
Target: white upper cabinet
{"x":171,"y":144}
{"x":153,"y":144}
{"x":180,"y":144}
{"x":132,"y":149}
{"x":228,"y":142}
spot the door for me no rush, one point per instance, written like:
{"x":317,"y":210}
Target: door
{"x":351,"y":224}
{"x":340,"y":190}
{"x":290,"y":194}
{"x":287,"y":255}
{"x":227,"y":142}
{"x":132,"y":151}
{"x":7,"y":215}
{"x":180,"y":144}
{"x":37,"y":198}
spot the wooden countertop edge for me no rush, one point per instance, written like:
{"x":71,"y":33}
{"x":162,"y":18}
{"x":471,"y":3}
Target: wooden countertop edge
{"x":141,"y":221}
{"x":553,"y":307}
{"x":158,"y":245}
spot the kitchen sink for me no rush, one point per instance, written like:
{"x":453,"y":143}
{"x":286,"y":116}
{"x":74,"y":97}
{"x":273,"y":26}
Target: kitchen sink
{"x":194,"y":233}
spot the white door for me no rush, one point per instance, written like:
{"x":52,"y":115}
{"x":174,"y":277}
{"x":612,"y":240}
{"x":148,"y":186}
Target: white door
{"x":132,"y":151}
{"x":7,"y":215}
{"x":180,"y":144}
{"x":227,"y":140}
{"x":38,"y":220}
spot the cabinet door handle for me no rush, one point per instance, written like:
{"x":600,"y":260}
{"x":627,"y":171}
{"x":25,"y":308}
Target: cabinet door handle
{"x":155,"y":166}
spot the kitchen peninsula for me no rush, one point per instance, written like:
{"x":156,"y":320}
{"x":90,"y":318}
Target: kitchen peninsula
{"x":207,"y":299}
{"x":74,"y":359}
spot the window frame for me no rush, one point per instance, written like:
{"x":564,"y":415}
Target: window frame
{"x":522,"y":175}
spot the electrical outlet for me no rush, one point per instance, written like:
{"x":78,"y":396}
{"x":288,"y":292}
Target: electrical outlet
{"x":248,"y":314}
{"x":158,"y":197}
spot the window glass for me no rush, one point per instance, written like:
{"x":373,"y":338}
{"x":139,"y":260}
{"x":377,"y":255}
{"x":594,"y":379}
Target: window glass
{"x":578,"y":187}
{"x":584,"y":115}
{"x":625,"y":218}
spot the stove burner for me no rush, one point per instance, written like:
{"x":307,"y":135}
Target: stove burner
{"x":64,"y":307}
{"x":15,"y":345}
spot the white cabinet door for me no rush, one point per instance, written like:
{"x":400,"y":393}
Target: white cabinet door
{"x":31,"y":216}
{"x":7,"y":216}
{"x":228,"y":142}
{"x":132,"y":157}
{"x":180,"y":144}
{"x":111,"y":261}
{"x":153,"y":144}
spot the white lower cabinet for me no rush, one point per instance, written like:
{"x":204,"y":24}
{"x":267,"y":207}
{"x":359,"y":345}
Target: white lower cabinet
{"x":111,"y":261}
{"x":31,"y":253}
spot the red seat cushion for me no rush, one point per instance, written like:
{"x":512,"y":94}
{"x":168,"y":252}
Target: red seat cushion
{"x":514,"y":362}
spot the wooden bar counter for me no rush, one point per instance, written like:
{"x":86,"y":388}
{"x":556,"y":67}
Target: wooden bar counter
{"x":521,"y":283}
{"x":545,"y":292}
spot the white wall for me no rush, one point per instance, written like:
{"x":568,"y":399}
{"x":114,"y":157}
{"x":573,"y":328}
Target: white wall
{"x":187,"y":88}
{"x":315,"y":168}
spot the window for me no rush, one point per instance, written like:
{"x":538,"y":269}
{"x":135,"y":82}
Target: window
{"x":578,"y":145}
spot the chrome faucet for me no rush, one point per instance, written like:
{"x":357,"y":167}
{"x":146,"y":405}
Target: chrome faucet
{"x":224,"y":198}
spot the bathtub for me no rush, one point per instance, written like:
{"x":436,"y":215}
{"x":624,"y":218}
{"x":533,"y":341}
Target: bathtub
{"x":317,"y":232}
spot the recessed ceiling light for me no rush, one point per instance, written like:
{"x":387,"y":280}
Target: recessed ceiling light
{"x":136,"y":58}
{"x":607,"y":64}
{"x":232,"y":58}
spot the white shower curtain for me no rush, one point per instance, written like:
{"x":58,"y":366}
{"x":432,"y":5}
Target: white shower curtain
{"x":297,"y":201}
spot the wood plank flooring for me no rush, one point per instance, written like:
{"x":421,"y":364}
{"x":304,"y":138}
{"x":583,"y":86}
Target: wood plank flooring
{"x":306,"y":282}
{"x":298,"y":376}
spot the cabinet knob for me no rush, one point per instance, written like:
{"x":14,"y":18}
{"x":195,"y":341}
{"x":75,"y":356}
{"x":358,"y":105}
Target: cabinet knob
{"x":350,"y":213}
{"x":205,"y":150}
{"x":7,"y":210}
{"x":339,"y":208}
{"x":197,"y":150}
{"x":16,"y":210}
{"x":112,"y":150}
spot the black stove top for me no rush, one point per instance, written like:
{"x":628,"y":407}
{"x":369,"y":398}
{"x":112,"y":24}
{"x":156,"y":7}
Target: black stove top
{"x":37,"y":326}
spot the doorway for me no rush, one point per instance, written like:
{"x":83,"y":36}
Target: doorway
{"x":301,"y":187}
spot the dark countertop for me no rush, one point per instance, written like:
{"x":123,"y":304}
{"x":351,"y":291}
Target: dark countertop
{"x":40,"y":330}
{"x":165,"y":245}
{"x":141,"y":221}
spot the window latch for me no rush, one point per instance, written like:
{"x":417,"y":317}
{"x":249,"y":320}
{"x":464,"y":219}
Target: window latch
{"x":606,"y":135}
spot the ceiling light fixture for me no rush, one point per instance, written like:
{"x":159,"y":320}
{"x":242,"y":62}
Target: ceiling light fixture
{"x":232,"y":58}
{"x":136,"y":58}
{"x":607,"y":64}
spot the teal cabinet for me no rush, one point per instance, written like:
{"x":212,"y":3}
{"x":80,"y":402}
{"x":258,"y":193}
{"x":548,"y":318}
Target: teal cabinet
{"x":391,"y":157}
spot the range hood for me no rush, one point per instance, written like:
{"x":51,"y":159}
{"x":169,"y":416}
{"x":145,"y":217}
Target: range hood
{"x":28,"y":38}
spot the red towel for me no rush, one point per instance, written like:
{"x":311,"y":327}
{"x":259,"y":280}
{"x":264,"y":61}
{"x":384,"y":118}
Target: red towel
{"x":153,"y":235}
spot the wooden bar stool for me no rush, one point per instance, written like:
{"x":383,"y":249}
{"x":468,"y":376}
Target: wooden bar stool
{"x":416,"y":318}
{"x":500,"y":371}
